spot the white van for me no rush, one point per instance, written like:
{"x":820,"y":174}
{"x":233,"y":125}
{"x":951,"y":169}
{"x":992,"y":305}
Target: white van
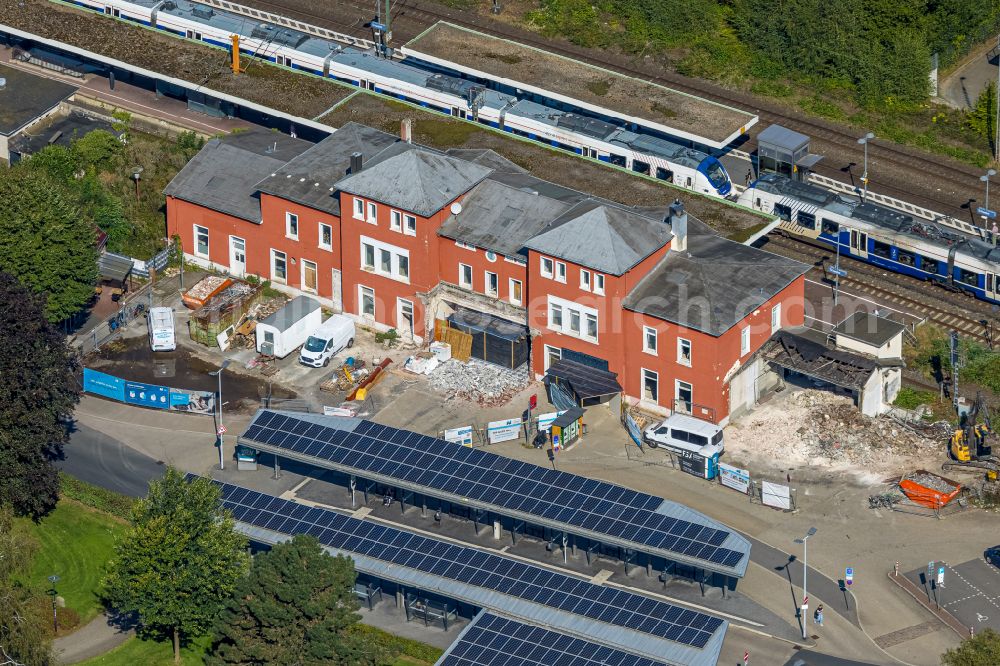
{"x":683,"y":432}
{"x":335,"y":334}
{"x":161,"y":329}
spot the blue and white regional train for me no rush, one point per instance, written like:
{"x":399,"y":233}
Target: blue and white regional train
{"x":954,"y":254}
{"x":645,"y":153}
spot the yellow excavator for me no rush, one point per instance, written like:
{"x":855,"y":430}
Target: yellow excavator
{"x":968,"y":445}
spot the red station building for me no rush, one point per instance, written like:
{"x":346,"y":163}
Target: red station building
{"x":400,"y":235}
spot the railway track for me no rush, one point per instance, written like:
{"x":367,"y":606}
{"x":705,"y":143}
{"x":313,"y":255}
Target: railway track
{"x":949,"y":310}
{"x":932,"y":182}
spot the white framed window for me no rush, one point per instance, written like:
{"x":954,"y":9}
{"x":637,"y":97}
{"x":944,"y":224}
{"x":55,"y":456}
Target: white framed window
{"x":366,"y":301}
{"x":201,"y":241}
{"x":649,"y":340}
{"x":292,"y":226}
{"x":465,"y":276}
{"x":514,"y":291}
{"x":571,"y":318}
{"x":325,"y":236}
{"x":684,"y":351}
{"x":585,"y":280}
{"x":598,"y":284}
{"x":310,"y":276}
{"x":359,"y":209}
{"x":410,"y":229}
{"x":745,"y":341}
{"x":650,"y":386}
{"x":492,"y":284}
{"x":775,"y":317}
{"x":555,"y":316}
{"x":465,"y":246}
{"x":395,"y":220}
{"x":372,"y":213}
{"x":547,"y":267}
{"x":385,"y":260}
{"x":560,"y":272}
{"x":279,"y":267}
{"x":552,"y":354}
{"x":683,"y":397}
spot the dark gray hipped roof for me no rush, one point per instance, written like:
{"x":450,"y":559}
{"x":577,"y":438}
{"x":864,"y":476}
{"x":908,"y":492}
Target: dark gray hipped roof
{"x":416,"y":180}
{"x":224,"y":174}
{"x":487,"y":158}
{"x":868,"y":328}
{"x":25,"y":97}
{"x":310,"y":178}
{"x":714,"y":284}
{"x":501,"y":218}
{"x":602,"y":236}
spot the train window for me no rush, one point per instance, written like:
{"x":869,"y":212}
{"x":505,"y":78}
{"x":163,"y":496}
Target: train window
{"x":880,"y":249}
{"x":593,"y":152}
{"x":989,"y":282}
{"x":640,"y":167}
{"x":906,"y":258}
{"x":617,"y":159}
{"x":928,"y":264}
{"x":664,"y":174}
{"x":807,"y":220}
{"x":830,"y":227}
{"x":968,"y":277}
{"x":783,"y":211}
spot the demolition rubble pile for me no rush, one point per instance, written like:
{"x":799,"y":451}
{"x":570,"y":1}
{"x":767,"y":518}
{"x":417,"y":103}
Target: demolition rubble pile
{"x":932,"y":481}
{"x":809,"y":425}
{"x":480,"y":382}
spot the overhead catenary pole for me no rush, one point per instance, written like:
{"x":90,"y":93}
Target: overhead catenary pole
{"x":864,"y":177}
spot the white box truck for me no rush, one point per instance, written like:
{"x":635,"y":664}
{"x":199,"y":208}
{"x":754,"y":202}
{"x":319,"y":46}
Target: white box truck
{"x":161,"y":329}
{"x":288,"y":328}
{"x":327,"y":341}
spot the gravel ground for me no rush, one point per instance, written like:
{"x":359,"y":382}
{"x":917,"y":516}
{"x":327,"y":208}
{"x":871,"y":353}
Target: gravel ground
{"x":174,"y":57}
{"x":434,"y":130}
{"x":581,"y":81}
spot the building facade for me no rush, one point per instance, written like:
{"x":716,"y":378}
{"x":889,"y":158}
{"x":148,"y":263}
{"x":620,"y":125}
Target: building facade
{"x":401,"y":236}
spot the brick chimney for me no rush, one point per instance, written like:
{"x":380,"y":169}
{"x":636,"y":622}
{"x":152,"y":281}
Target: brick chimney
{"x":678,"y":221}
{"x":406,"y":130}
{"x":356,"y":163}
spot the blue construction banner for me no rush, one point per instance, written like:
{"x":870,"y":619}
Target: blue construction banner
{"x":100,"y":383}
{"x":147,"y":395}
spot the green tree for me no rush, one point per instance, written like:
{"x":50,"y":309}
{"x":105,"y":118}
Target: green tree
{"x":295,"y":607}
{"x":98,"y":150}
{"x":46,"y":244}
{"x":37,"y":396}
{"x":981,"y":650}
{"x":982,"y":118}
{"x":179,"y":561}
{"x":25,"y":629}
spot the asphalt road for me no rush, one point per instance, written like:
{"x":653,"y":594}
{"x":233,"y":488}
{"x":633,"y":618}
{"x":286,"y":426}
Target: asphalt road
{"x":971,"y":592}
{"x":104,"y":461}
{"x":810,"y":658}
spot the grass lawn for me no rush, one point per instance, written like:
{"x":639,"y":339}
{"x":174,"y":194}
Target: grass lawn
{"x":75,"y":544}
{"x":150,"y":653}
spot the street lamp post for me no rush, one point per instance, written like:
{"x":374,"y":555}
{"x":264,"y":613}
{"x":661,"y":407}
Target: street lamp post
{"x":986,"y":179}
{"x":52,"y":593}
{"x":219,"y":430}
{"x":805,"y":572}
{"x":864,"y":177}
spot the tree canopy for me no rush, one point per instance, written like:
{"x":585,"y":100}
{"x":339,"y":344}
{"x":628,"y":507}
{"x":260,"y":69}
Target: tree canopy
{"x":25,"y":629}
{"x":179,"y":561}
{"x":294,"y":608}
{"x":981,"y":650}
{"x":37,"y":396}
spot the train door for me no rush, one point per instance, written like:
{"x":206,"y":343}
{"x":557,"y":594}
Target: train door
{"x":112,"y":11}
{"x":859,"y":243}
{"x":688,"y":182}
{"x":458,"y":113}
{"x":592,"y":153}
{"x":992,"y":286}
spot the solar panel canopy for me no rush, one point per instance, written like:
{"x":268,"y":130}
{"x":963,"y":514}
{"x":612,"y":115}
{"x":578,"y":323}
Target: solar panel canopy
{"x":594,"y":508}
{"x":494,"y":640}
{"x":607,"y":611}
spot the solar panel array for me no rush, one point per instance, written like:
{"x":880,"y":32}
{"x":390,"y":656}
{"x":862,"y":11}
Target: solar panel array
{"x":492,"y":640}
{"x":573,"y":500}
{"x":472,"y":567}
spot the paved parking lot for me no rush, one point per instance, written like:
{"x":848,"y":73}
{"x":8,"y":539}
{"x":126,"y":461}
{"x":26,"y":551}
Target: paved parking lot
{"x":971,"y":592}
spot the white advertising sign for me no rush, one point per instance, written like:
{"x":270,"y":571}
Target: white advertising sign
{"x":545,"y":420}
{"x":503,"y":431}
{"x":734,"y":477}
{"x":461,"y":435}
{"x":775,"y":495}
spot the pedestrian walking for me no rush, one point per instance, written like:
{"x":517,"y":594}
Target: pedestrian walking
{"x":749,"y":176}
{"x":818,"y":615}
{"x":788,"y":478}
{"x":994,"y":232}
